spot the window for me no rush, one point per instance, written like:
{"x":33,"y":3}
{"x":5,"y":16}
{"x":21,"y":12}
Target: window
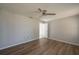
{"x":43,"y":30}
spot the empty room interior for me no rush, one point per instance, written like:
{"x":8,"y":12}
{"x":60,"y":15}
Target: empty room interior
{"x":39,"y":28}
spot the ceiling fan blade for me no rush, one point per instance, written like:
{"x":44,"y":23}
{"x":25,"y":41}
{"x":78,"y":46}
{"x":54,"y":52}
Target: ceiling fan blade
{"x":50,"y":14}
{"x":39,"y":10}
{"x":44,"y":11}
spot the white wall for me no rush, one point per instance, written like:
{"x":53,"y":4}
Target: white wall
{"x":16,"y":29}
{"x":66,"y":30}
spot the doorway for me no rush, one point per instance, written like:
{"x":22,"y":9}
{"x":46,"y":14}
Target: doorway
{"x":43,"y":30}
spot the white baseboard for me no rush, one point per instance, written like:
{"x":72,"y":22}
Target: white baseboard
{"x":16,"y":44}
{"x":73,"y":43}
{"x":36,"y":39}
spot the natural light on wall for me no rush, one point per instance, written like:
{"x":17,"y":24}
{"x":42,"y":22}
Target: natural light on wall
{"x":43,"y":30}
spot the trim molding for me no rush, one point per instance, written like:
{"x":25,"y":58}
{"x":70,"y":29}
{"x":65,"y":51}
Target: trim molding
{"x":72,"y":43}
{"x":16,"y":44}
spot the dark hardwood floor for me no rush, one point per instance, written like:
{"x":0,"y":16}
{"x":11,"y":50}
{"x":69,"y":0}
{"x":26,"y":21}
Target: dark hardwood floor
{"x":42,"y":47}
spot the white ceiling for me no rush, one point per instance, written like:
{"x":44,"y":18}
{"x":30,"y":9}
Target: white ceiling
{"x":28,"y":9}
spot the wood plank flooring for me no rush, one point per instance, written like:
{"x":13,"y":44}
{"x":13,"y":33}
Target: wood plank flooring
{"x":42,"y":47}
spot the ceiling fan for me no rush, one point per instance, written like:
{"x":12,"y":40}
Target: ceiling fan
{"x":40,"y":12}
{"x":44,"y":12}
